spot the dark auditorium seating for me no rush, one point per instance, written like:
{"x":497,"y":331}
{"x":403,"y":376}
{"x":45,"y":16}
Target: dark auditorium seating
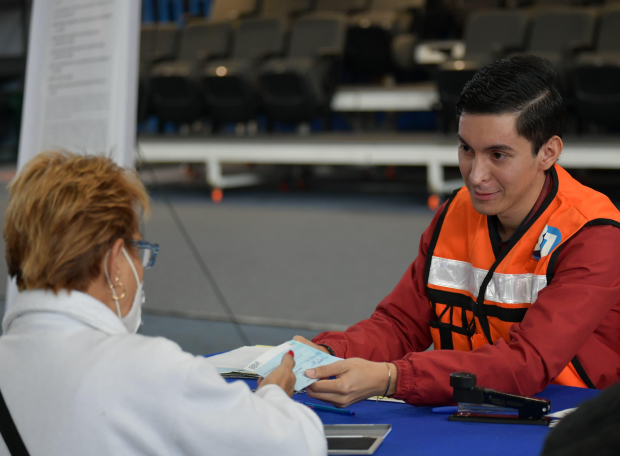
{"x":158,"y":42}
{"x":12,"y":43}
{"x":299,"y":87}
{"x":342,"y":6}
{"x":285,"y":7}
{"x":561,"y":2}
{"x":558,"y":33}
{"x":608,"y":39}
{"x":231,"y":10}
{"x":596,"y":76}
{"x":461,"y":9}
{"x":174,"y":89}
{"x":370,"y":34}
{"x":489,"y":35}
{"x":231,"y":85}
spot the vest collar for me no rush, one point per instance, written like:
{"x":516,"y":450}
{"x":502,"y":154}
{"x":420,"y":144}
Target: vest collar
{"x":525,"y":225}
{"x":493,"y":221}
{"x":74,"y":304}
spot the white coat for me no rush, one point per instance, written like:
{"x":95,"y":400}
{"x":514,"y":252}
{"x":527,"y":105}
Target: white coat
{"x":77,"y":383}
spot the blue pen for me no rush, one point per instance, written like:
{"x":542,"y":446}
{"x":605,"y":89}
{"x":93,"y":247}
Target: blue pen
{"x":328,"y":409}
{"x":449,"y":409}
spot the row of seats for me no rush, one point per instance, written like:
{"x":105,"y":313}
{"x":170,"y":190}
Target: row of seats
{"x":292,"y":74}
{"x":236,"y":9}
{"x":583,"y":43}
{"x":381,"y":34}
{"x":493,"y":31}
{"x":371,"y":24}
{"x":13,"y":17}
{"x":558,"y":34}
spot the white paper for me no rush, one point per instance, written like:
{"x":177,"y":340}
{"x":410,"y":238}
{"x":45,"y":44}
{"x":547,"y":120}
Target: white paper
{"x":81,"y":82}
{"x":385,"y":399}
{"x":306,"y":357}
{"x":557,"y":416}
{"x":82,"y":79}
{"x":236,"y":360}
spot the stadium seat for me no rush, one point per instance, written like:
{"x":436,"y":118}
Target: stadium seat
{"x":438,"y":33}
{"x":158,"y":42}
{"x":608,"y":40}
{"x":560,"y":2}
{"x":489,"y":35}
{"x":231,"y":10}
{"x":285,"y":7}
{"x":174,"y":87}
{"x":461,"y":9}
{"x":596,"y":76}
{"x":12,"y":45}
{"x":342,"y":6}
{"x":370,"y":34}
{"x":299,"y":87}
{"x":231,"y":85}
{"x":559,"y":33}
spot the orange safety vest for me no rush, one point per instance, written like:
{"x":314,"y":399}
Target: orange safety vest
{"x":478,"y":292}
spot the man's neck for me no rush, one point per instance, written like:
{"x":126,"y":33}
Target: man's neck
{"x":510,"y":222}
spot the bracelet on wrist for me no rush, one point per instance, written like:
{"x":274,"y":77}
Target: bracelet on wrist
{"x":389,"y":383}
{"x":329,"y":349}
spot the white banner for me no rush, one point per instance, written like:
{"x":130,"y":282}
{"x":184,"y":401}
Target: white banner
{"x":81,"y":80}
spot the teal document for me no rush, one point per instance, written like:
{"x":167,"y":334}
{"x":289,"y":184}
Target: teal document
{"x":305,"y":358}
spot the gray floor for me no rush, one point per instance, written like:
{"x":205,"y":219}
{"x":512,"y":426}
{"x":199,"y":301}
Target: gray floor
{"x":288,"y":264}
{"x":296,"y":263}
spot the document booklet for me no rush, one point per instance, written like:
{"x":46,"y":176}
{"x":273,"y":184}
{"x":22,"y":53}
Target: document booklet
{"x":231,"y":364}
{"x":305,"y":358}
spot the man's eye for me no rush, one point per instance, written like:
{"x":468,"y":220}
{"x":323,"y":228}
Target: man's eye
{"x":464,"y":148}
{"x":498,"y":156}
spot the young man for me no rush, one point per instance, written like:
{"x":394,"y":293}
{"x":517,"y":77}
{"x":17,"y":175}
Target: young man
{"x":516,"y":278}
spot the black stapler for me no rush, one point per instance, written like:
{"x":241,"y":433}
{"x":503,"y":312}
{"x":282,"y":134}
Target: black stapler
{"x":484,"y":405}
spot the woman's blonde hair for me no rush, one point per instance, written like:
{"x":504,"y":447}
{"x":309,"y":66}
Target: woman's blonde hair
{"x":65,"y":212}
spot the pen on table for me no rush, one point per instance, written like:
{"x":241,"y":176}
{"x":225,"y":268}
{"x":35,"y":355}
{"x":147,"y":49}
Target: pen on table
{"x":450,"y":409}
{"x":327,"y":409}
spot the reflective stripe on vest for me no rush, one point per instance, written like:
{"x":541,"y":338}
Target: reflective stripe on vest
{"x":503,"y":288}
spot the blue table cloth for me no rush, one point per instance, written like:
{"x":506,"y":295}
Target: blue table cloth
{"x":417,"y":431}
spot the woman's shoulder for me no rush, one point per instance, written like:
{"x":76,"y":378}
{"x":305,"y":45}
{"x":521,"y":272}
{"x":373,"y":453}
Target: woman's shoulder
{"x":150,"y":355}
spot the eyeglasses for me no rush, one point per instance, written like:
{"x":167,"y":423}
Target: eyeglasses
{"x":146,"y":251}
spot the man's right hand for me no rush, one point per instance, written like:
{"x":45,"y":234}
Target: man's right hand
{"x":303,"y":340}
{"x":282,"y":375}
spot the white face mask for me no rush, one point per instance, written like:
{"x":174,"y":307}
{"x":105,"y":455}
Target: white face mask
{"x":133,"y":319}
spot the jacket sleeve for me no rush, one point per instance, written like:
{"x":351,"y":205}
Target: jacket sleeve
{"x":217,"y":417}
{"x":579,"y":305}
{"x":399,"y":325}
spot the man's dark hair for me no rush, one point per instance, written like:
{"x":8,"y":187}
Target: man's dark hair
{"x":522,"y":85}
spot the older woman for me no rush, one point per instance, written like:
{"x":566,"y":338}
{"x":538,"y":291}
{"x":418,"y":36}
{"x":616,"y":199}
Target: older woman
{"x":75,"y":376}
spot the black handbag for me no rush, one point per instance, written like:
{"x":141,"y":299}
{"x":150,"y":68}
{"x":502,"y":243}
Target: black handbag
{"x":9,"y":432}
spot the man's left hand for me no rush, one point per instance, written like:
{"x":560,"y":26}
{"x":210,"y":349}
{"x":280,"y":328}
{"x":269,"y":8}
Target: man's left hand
{"x":356,"y":380}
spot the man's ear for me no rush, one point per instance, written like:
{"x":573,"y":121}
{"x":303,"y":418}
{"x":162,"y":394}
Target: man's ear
{"x":550,"y":152}
{"x":114,"y":257}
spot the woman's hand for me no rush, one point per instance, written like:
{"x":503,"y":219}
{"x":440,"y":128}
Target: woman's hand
{"x":303,"y":340}
{"x":356,"y":380}
{"x":282,"y":375}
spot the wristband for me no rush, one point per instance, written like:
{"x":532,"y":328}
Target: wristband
{"x":329,"y":349}
{"x":389,"y":383}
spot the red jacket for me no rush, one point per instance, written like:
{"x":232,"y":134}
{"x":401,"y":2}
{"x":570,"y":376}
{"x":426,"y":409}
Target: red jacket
{"x":578,"y":312}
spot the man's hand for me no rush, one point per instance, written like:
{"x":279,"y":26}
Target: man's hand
{"x":282,"y":375}
{"x":303,"y":340}
{"x":356,"y":380}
